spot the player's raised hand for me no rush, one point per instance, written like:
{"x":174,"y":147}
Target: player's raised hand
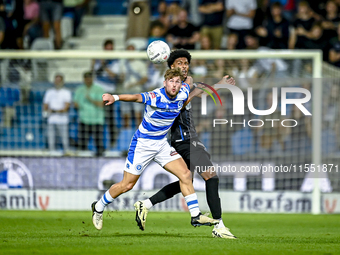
{"x":229,"y":80}
{"x":108,"y":99}
{"x":189,"y":80}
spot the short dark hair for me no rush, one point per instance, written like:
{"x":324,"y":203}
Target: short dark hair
{"x":276,"y":5}
{"x":59,"y":75}
{"x":180,"y":53}
{"x":88,"y":74}
{"x":108,"y":41}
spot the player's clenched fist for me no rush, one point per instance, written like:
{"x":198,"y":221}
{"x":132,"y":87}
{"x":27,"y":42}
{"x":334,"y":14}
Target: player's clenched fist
{"x":108,"y":99}
{"x":229,"y":80}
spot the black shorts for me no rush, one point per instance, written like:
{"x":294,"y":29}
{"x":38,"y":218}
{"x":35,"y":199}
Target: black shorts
{"x":194,"y":154}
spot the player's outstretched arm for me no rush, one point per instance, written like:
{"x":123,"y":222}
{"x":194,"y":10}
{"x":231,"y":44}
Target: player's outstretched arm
{"x":110,"y":99}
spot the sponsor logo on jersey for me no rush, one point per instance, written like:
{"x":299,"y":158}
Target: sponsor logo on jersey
{"x":152,"y":95}
{"x":173,"y":153}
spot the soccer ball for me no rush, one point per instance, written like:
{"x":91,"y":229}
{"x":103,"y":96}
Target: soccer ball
{"x":158,"y":52}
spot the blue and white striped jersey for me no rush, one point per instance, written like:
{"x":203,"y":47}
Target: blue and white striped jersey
{"x":160,"y":112}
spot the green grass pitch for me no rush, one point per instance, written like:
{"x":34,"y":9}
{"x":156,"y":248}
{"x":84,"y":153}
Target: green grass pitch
{"x":45,"y":232}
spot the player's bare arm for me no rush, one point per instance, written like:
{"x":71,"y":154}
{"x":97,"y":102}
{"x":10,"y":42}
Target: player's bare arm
{"x":110,"y":99}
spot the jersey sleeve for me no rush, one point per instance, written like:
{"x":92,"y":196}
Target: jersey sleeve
{"x":186,"y":86}
{"x":150,"y":98}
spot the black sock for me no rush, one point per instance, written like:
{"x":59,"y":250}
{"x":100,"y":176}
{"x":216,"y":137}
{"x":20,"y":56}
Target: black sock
{"x":165,"y":193}
{"x":213,"y":198}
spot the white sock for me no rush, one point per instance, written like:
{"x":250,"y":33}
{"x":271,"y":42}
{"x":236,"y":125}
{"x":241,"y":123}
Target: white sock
{"x":104,"y":201}
{"x":220,"y":224}
{"x":192,"y":204}
{"x":147,"y":204}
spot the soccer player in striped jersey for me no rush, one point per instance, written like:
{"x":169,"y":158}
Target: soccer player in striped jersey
{"x":185,"y":141}
{"x":149,"y":142}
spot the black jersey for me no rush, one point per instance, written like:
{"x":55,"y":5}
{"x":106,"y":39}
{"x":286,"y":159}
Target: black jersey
{"x":183,"y":127}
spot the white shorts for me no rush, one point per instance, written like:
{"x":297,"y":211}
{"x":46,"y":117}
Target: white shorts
{"x":142,"y":151}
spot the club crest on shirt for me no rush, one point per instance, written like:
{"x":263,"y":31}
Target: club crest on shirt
{"x":180,"y":104}
{"x":139,"y":167}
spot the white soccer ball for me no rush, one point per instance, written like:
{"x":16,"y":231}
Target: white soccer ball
{"x":158,"y":52}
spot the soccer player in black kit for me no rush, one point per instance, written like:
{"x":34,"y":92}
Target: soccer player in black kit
{"x":185,"y":141}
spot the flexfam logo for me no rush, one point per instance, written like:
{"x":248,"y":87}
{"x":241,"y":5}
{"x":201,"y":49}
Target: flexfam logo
{"x":238,"y":105}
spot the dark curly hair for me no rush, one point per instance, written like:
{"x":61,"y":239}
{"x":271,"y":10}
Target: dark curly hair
{"x":180,"y":53}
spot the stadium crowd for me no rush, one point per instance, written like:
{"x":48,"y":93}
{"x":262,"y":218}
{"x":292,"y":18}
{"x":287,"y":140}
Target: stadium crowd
{"x":193,"y":25}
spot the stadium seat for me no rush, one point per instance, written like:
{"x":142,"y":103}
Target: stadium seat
{"x":139,"y":43}
{"x":242,"y":142}
{"x":109,"y":7}
{"x":9,"y":96}
{"x":66,"y":26}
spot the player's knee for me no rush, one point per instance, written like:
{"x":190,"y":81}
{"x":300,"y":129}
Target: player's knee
{"x":186,"y":176}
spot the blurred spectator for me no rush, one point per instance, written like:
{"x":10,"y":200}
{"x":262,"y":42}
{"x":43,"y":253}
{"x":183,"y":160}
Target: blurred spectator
{"x":262,"y":13}
{"x":51,"y":11}
{"x":192,"y":7}
{"x":317,"y":40}
{"x":135,"y":75}
{"x":240,"y":22}
{"x":57,"y":103}
{"x":200,"y":67}
{"x":276,"y":67}
{"x":106,"y":71}
{"x":213,"y":12}
{"x":11,"y":11}
{"x":334,"y":53}
{"x":246,"y":72}
{"x":232,"y":41}
{"x":163,"y":15}
{"x":277,"y":29}
{"x":29,"y":28}
{"x":288,"y":8}
{"x":155,"y":75}
{"x":107,"y":76}
{"x":77,"y":9}
{"x":8,"y":100}
{"x":271,"y":138}
{"x":184,"y":34}
{"x":301,"y":27}
{"x":173,"y":11}
{"x":331,"y":19}
{"x":2,"y":31}
{"x":88,"y":101}
{"x":157,"y":32}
